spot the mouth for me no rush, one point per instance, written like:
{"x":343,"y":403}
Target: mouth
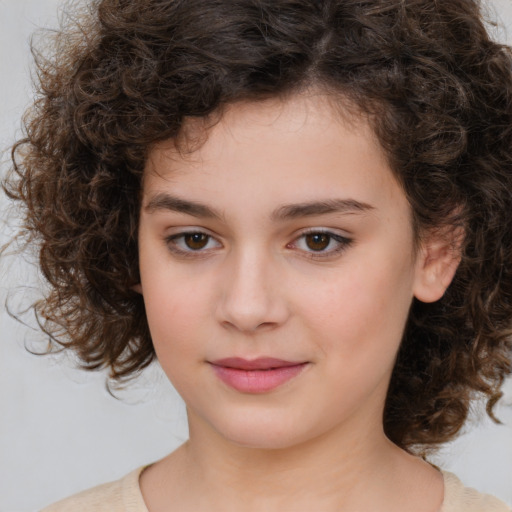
{"x":256,"y":376}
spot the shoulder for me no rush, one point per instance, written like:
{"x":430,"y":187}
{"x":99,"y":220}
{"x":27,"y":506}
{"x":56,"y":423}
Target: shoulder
{"x":458,"y":498}
{"x":120,"y":496}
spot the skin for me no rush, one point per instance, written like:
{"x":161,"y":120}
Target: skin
{"x":255,"y":284}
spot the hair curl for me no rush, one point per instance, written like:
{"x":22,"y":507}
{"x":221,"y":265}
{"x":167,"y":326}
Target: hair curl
{"x":438,"y":92}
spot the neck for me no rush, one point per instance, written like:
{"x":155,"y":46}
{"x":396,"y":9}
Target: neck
{"x":251,"y":465}
{"x":307,"y":476}
{"x":358,"y":469}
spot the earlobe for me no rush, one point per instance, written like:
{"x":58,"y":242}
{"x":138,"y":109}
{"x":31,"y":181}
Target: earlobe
{"x":437,"y":263}
{"x":137,"y":288}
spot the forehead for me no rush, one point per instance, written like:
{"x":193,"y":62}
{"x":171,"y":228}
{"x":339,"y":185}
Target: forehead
{"x":302,"y":148}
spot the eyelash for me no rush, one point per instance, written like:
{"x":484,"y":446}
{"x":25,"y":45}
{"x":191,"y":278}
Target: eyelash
{"x":342,"y":241}
{"x":171,"y":242}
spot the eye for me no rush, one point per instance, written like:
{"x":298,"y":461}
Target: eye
{"x":317,"y":241}
{"x":321,"y":243}
{"x":189,"y":242}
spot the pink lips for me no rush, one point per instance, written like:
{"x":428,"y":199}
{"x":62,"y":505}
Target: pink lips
{"x":257,"y":375}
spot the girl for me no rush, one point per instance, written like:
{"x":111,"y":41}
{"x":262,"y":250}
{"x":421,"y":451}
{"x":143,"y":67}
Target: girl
{"x":302,"y":209}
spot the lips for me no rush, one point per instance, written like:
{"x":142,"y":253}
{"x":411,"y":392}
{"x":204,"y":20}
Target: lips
{"x":262,"y":363}
{"x":257,"y":375}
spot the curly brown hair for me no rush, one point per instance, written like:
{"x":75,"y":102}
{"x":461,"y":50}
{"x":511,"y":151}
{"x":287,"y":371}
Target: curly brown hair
{"x":435,"y":87}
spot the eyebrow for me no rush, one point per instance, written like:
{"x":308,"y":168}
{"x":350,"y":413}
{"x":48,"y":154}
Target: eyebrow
{"x":309,"y":209}
{"x":164,"y":201}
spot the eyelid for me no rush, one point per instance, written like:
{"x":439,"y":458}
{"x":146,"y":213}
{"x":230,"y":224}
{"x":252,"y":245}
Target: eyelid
{"x":344,"y":242}
{"x":172,"y":246}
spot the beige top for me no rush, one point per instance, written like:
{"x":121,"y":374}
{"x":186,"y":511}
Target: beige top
{"x":125,"y":496}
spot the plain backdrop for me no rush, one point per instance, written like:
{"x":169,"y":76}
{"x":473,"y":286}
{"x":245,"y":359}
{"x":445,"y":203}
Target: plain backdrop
{"x":60,"y":430}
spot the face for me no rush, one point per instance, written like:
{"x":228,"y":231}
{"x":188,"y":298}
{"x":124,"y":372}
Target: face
{"x":277,"y":269}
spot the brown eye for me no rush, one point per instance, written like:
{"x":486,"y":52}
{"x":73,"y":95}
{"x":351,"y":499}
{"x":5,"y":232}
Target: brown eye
{"x":196,"y":241}
{"x":317,"y":241}
{"x":321,"y":244}
{"x":192,"y":244}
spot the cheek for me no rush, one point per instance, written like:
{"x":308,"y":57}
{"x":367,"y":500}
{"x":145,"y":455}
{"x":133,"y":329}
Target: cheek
{"x":176,"y":310}
{"x":164,"y":306}
{"x":360,"y":311}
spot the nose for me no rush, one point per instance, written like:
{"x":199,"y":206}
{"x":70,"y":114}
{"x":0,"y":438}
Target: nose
{"x":252,"y":297}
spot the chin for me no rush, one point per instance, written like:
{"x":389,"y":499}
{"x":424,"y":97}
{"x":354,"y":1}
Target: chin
{"x":263,"y":435}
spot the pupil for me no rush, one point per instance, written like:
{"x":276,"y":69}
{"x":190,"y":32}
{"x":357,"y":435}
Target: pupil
{"x":196,"y":240}
{"x":317,"y":241}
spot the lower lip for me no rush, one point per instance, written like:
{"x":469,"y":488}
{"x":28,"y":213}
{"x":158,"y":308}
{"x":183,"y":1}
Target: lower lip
{"x":257,"y":381}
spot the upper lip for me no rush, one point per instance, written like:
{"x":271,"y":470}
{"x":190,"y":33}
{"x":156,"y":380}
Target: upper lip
{"x":261,"y":363}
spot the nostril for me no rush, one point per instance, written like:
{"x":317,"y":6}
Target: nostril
{"x":249,"y":326}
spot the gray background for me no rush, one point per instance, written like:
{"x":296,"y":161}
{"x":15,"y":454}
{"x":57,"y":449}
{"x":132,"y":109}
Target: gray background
{"x":60,"y":431}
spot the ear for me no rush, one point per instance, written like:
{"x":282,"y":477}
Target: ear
{"x":137,"y":288}
{"x":437,"y":261}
